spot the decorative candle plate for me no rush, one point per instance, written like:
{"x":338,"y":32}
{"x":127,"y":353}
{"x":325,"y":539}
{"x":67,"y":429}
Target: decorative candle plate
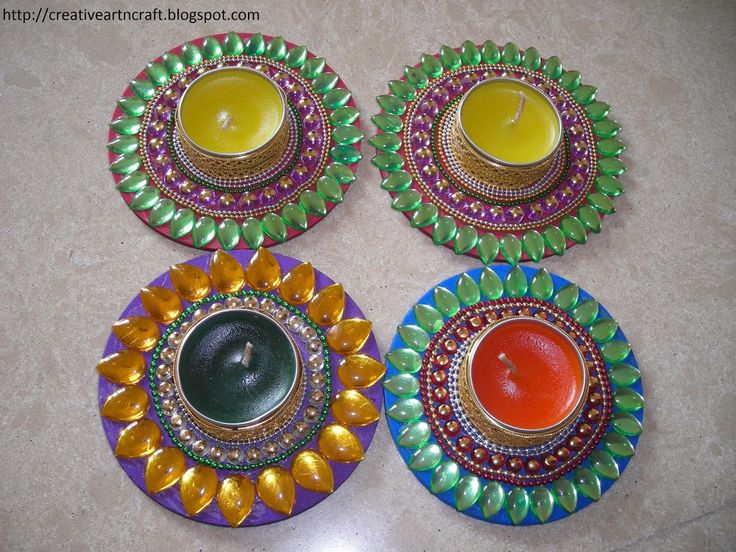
{"x":275,"y":441}
{"x":440,"y":422}
{"x":176,"y":193}
{"x":427,"y":173}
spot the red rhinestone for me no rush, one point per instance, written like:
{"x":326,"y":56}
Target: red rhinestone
{"x":497,"y":461}
{"x":533,"y":465}
{"x":452,"y":428}
{"x":440,"y":394}
{"x":491,"y":316}
{"x":593,"y":381}
{"x":595,"y":398}
{"x":442,"y":361}
{"x":562,"y":453}
{"x":515,"y":464}
{"x":440,"y":376}
{"x":575,"y":443}
{"x":444,"y":411}
{"x":450,"y":346}
{"x":480,"y":455}
{"x":462,"y":333}
{"x":550,"y":461}
{"x":464,"y":443}
{"x":593,"y":415}
{"x":475,"y":322}
{"x":584,"y":430}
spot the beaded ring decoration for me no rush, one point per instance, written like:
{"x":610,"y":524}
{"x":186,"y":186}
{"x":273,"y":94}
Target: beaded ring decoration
{"x":454,"y":446}
{"x":473,"y":206}
{"x":179,"y":195}
{"x":188,"y":450}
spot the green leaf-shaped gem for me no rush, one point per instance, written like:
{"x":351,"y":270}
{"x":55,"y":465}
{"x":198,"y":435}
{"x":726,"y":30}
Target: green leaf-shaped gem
{"x":626,"y":424}
{"x":416,"y":76}
{"x":517,"y":505}
{"x":449,"y":58}
{"x":233,"y":44}
{"x":313,"y":67}
{"x":573,"y":229}
{"x":255,"y":45}
{"x":567,"y":297}
{"x":469,"y":53}
{"x":552,"y":67}
{"x":345,"y":115}
{"x":585,"y":312}
{"x":228,"y":234}
{"x":531,"y":59}
{"x":618,"y":445}
{"x":511,"y":249}
{"x":444,"y":229}
{"x":627,"y":399}
{"x":142,"y":88}
{"x":274,"y":227}
{"x":570,"y":80}
{"x":444,"y":477}
{"x":404,"y":360}
{"x":296,"y":57}
{"x":408,"y":200}
{"x":123,"y":144}
{"x":603,"y":330}
{"x":542,"y":503}
{"x":203,"y":232}
{"x":337,"y":97}
{"x":603,"y":464}
{"x":414,"y":435}
{"x":467,"y":290}
{"x":446,"y":301}
{"x":276,"y":50}
{"x":312,"y":203}
{"x":610,"y":147}
{"x":402,"y":89}
{"x":489,"y":52}
{"x":587,"y":483}
{"x":590,"y":218}
{"x":510,"y":54}
{"x":133,"y":182}
{"x":162,"y":212}
{"x":431,"y":65}
{"x":252,"y":232}
{"x":324,"y":82}
{"x":488,"y":248}
{"x":397,"y":181}
{"x":130,"y":105}
{"x":490,"y":284}
{"x":612,"y":166}
{"x":386,"y":141}
{"x":624,"y":374}
{"x":294,"y":216}
{"x":145,"y":198}
{"x":340,"y":172}
{"x":554,"y":239}
{"x":402,"y":385}
{"x":191,"y":54}
{"x":606,"y":128}
{"x":565,"y":494}
{"x":597,"y":111}
{"x":426,"y":458}
{"x":585,"y":94}
{"x":181,"y":223}
{"x":609,"y":185}
{"x":414,"y":336}
{"x":614,"y":352}
{"x":172,"y":63}
{"x":391,"y":104}
{"x":126,"y":125}
{"x":465,"y":240}
{"x":405,"y":410}
{"x":515,"y":282}
{"x":424,"y":216}
{"x":429,"y":318}
{"x":126,"y":163}
{"x":387,"y":122}
{"x":467,"y":492}
{"x":347,"y":155}
{"x":211,"y":48}
{"x":330,"y":189}
{"x":542,"y":287}
{"x":491,"y":499}
{"x":532,"y":243}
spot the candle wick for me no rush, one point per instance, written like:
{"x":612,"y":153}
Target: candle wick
{"x":225,"y":120}
{"x":522,"y":101}
{"x":247,"y":354}
{"x":507,"y":361}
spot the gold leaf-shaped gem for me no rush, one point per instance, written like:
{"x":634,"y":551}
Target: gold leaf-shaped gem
{"x":226,"y":272}
{"x":263,"y":272}
{"x":360,"y":371}
{"x":127,"y":404}
{"x":297,"y":287}
{"x":138,"y":439}
{"x":197,"y":488}
{"x":161,"y":304}
{"x":235,"y":498}
{"x":340,"y":444}
{"x":275,"y":488}
{"x":327,"y":306}
{"x":125,"y":367}
{"x":348,"y":336}
{"x":189,"y":281}
{"x":350,"y":407}
{"x":137,"y":332}
{"x":164,"y":468}
{"x":312,"y":471}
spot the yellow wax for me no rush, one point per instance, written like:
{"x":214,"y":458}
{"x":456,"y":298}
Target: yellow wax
{"x":231,"y":110}
{"x":487,"y":116}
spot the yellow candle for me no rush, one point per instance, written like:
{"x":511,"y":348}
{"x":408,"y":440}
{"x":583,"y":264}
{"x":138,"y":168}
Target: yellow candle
{"x":510,"y":121}
{"x":231,"y":111}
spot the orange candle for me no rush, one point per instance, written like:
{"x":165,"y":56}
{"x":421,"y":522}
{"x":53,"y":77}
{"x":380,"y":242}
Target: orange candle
{"x":527,"y":375}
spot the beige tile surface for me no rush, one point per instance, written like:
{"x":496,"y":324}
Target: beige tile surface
{"x":664,"y":266}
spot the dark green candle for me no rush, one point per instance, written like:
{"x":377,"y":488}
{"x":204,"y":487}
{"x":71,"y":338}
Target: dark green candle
{"x":236,"y":367}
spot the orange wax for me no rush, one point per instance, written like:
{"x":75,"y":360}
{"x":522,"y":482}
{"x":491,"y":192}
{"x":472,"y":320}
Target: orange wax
{"x":545,"y":384}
